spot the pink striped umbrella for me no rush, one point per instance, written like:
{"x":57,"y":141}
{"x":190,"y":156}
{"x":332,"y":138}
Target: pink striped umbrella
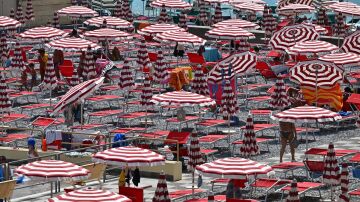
{"x":182,"y":98}
{"x":5,"y":104}
{"x":342,"y":59}
{"x":72,"y":44}
{"x":240,"y":63}
{"x":17,"y":61}
{"x":269,"y":22}
{"x":294,"y":9}
{"x":203,"y":14}
{"x":118,"y":9}
{"x":282,"y":3}
{"x":143,"y":55}
{"x":351,"y":43}
{"x":293,"y":193}
{"x":8,"y":23}
{"x":50,"y":80}
{"x":77,"y":12}
{"x":4,"y":49}
{"x":228,"y":106}
{"x":129,"y":156}
{"x":218,"y":14}
{"x":340,"y":25}
{"x":74,"y":78}
{"x":19,"y":14}
{"x":171,"y":4}
{"x":229,"y":33}
{"x":354,"y":12}
{"x":249,"y":146}
{"x":77,"y":94}
{"x":89,"y":71}
{"x":195,"y":156}
{"x":56,"y":21}
{"x":313,"y":47}
{"x":179,"y":37}
{"x":235,"y":168}
{"x":111,"y":22}
{"x":216,"y":1}
{"x":244,"y":24}
{"x":318,"y":28}
{"x":344,"y":183}
{"x":279,"y":98}
{"x":29,"y":14}
{"x":53,"y":170}
{"x":158,"y":28}
{"x":249,"y":7}
{"x":160,"y":70}
{"x":183,"y":21}
{"x":147,"y":92}
{"x":331,"y":174}
{"x":42,"y":33}
{"x":126,"y":11}
{"x":340,"y":5}
{"x":12,"y":13}
{"x":199,"y":83}
{"x":126,"y":76}
{"x":161,"y":192}
{"x":163,"y":17}
{"x":89,"y":194}
{"x":321,"y":17}
{"x":232,"y":2}
{"x":107,"y":34}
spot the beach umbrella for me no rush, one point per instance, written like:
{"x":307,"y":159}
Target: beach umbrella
{"x":56,"y":21}
{"x":218,"y":14}
{"x":295,"y":9}
{"x":111,"y":22}
{"x":77,"y":12}
{"x":353,"y":12}
{"x":269,"y":22}
{"x":161,"y":192}
{"x":160,"y":69}
{"x":331,"y":174}
{"x":12,"y":13}
{"x":344,"y":183}
{"x":180,"y":37}
{"x":244,"y":24}
{"x":199,"y":83}
{"x":89,"y":194}
{"x":129,"y":156}
{"x":195,"y":157}
{"x":107,"y":34}
{"x":152,"y":30}
{"x":163,"y":17}
{"x":130,"y":18}
{"x":4,"y":49}
{"x":147,"y":92}
{"x":282,"y":3}
{"x":340,"y":25}
{"x":77,"y":94}
{"x":235,"y":168}
{"x":89,"y":71}
{"x":203,"y":14}
{"x":72,"y":44}
{"x":211,"y":197}
{"x":17,"y":61}
{"x":7,"y":23}
{"x":249,"y":146}
{"x":50,"y":80}
{"x":74,"y":78}
{"x":290,"y":35}
{"x":183,"y":21}
{"x":342,"y":59}
{"x":118,"y":9}
{"x":126,"y":76}
{"x":293,"y":193}
{"x":340,"y":5}
{"x":171,"y":4}
{"x":321,"y":17}
{"x":318,"y":28}
{"x":313,"y":47}
{"x":19,"y":14}
{"x":216,"y":1}
{"x":5,"y":104}
{"x":182,"y":98}
{"x":228,"y":106}
{"x":29,"y":14}
{"x":249,"y":7}
{"x":240,"y":63}
{"x":229,"y":33}
{"x":143,"y":55}
{"x":42,"y":34}
{"x":126,"y":10}
{"x":351,"y":43}
{"x":279,"y":98}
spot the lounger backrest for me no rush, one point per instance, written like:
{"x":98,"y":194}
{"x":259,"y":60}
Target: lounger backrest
{"x":195,"y":58}
{"x":7,"y":188}
{"x":97,"y":170}
{"x":314,"y":166}
{"x":152,"y":57}
{"x":239,"y":200}
{"x":265,"y":69}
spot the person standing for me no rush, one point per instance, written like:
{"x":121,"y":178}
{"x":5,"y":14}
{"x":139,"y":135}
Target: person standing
{"x":288,"y":136}
{"x":43,"y":59}
{"x":58,"y":59}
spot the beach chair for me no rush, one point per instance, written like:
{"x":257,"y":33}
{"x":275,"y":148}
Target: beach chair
{"x":100,"y":115}
{"x":7,"y":189}
{"x":125,"y":131}
{"x":220,"y":182}
{"x":33,"y":107}
{"x":133,"y":116}
{"x":13,"y":138}
{"x":13,"y":118}
{"x":109,"y":89}
{"x":268,"y":184}
{"x":258,"y":101}
{"x":44,"y":123}
{"x":339,"y":153}
{"x":286,"y":167}
{"x":265,"y":70}
{"x":179,"y":123}
{"x":95,"y":100}
{"x":303,"y":187}
{"x":207,"y":124}
{"x":155,"y":134}
{"x":93,"y":126}
{"x":212,"y":139}
{"x":14,"y":97}
{"x":184,"y":194}
{"x":314,"y":169}
{"x":261,"y":114}
{"x":260,"y":127}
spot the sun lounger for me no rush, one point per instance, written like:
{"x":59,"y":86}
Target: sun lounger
{"x":212,"y":139}
{"x":180,"y":123}
{"x":13,"y":138}
{"x":208,"y":153}
{"x":209,"y":123}
{"x":34,"y":107}
{"x":13,"y":118}
{"x":260,"y":127}
{"x":104,"y":114}
{"x":93,"y":126}
{"x":184,"y":194}
{"x":355,"y":158}
{"x":354,"y":193}
{"x":257,"y":101}
{"x":261,"y":114}
{"x":286,"y":167}
{"x":302,"y":130}
{"x":131,"y":130}
{"x":314,"y":169}
{"x":340,"y":153}
{"x":268,"y":184}
{"x":104,"y":98}
{"x":217,"y":198}
{"x":255,"y":87}
{"x":155,"y":134}
{"x":218,"y":182}
{"x":23,"y":95}
{"x":130,"y":117}
{"x":43,"y":123}
{"x":303,"y":187}
{"x":109,"y":89}
{"x":258,"y":140}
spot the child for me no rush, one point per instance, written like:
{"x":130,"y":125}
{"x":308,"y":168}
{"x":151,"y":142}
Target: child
{"x":24,"y":77}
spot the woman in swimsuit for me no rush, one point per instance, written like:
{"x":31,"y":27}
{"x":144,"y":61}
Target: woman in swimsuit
{"x":287,"y":136}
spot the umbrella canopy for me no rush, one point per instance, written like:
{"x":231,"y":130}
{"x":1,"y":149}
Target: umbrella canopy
{"x":218,"y":14}
{"x":312,"y":47}
{"x":331,"y":169}
{"x":147,"y":92}
{"x":294,"y":9}
{"x":306,"y":114}
{"x":126,"y":76}
{"x":351,"y":43}
{"x":293,"y":193}
{"x":171,"y":4}
{"x":89,"y":195}
{"x":5,"y":104}
{"x":89,"y":71}
{"x":78,"y":93}
{"x":195,"y":156}
{"x":107,"y":34}
{"x":354,"y":12}
{"x":125,"y":9}
{"x":111,"y":22}
{"x":199,"y":83}
{"x":249,"y":146}
{"x":163,"y":17}
{"x":290,"y":35}
{"x":19,"y":14}
{"x":340,"y":25}
{"x":77,"y":12}
{"x":72,"y":44}
{"x":249,"y":7}
{"x":340,"y":5}
{"x":29,"y":14}
{"x":160,"y":72}
{"x":182,"y":98}
{"x":229,"y":106}
{"x":235,"y":168}
{"x":161,"y":192}
{"x":117,"y":10}
{"x":4,"y":49}
{"x":17,"y":61}
{"x":318,"y":28}
{"x":240,"y":63}
{"x":143,"y":55}
{"x":316,"y":73}
{"x":203,"y":14}
{"x":50,"y":80}
{"x":321,"y":17}
{"x":74,"y":78}
{"x":269,"y":22}
{"x":216,"y":1}
{"x":158,"y":28}
{"x":247,"y":1}
{"x":244,"y":24}
{"x":229,"y":33}
{"x":129,"y":156}
{"x":180,"y":37}
{"x":42,"y":33}
{"x":53,"y":170}
{"x":183,"y":21}
{"x":8,"y":23}
{"x":279,"y":98}
{"x":342,"y":59}
{"x":56,"y":21}
{"x":344,"y":183}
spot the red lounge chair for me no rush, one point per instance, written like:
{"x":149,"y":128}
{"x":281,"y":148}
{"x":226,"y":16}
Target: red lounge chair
{"x":217,"y":198}
{"x":210,"y":123}
{"x":261,"y":114}
{"x":181,"y":137}
{"x":258,"y":101}
{"x":135,"y":116}
{"x":104,"y":98}
{"x":314,"y":169}
{"x":355,"y":158}
{"x":13,"y":118}
{"x":197,"y":59}
{"x":303,"y":187}
{"x":24,"y":94}
{"x":285,"y":167}
{"x":104,"y":114}
{"x":260,"y":127}
{"x":340,"y":153}
{"x":265,"y":70}
{"x":258,"y":140}
{"x":179,"y":123}
{"x":152,"y":57}
{"x":44,"y":123}
{"x":268,"y":184}
{"x":354,"y":99}
{"x":33,"y":107}
{"x":155,"y":134}
{"x":88,"y":127}
{"x":9,"y":138}
{"x":127,"y":130}
{"x":212,"y":139}
{"x":181,"y":194}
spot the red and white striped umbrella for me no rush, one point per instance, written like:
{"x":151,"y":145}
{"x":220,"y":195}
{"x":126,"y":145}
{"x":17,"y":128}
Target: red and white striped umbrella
{"x":147,"y":92}
{"x":19,"y":14}
{"x":4,"y":49}
{"x":183,"y":21}
{"x":306,"y":114}
{"x":316,"y":73}
{"x":235,"y":168}
{"x":218,"y":14}
{"x":8,"y":23}
{"x":344,"y":183}
{"x":107,"y":34}
{"x":179,"y":37}
{"x":17,"y":61}
{"x":340,"y":5}
{"x":293,"y":193}
{"x":279,"y":98}
{"x":331,"y":174}
{"x":199,"y":83}
{"x":229,"y":33}
{"x":12,"y":13}
{"x":77,"y":12}
{"x":228,"y":106}
{"x":158,"y":28}
{"x":182,"y":98}
{"x":163,"y":17}
{"x":143,"y":55}
{"x":29,"y":14}
{"x":240,"y":63}
{"x":342,"y":59}
{"x":313,"y":47}
{"x":318,"y":28}
{"x":89,"y":71}
{"x":351,"y":43}
{"x":126,"y":10}
{"x":294,"y":9}
{"x":321,"y":17}
{"x":354,"y":12}
{"x":78,"y":93}
{"x":195,"y":156}
{"x":56,"y":21}
{"x":74,"y":78}
{"x":118,"y":9}
{"x":160,"y":69}
{"x":211,"y":197}
{"x":53,"y":170}
{"x":249,"y":7}
{"x":340,"y":25}
{"x":203,"y":14}
{"x":290,"y":35}
{"x":269,"y":22}
{"x":126,"y":76}
{"x":5,"y":104}
{"x":232,"y":2}
{"x":72,"y":44}
{"x":171,"y":4}
{"x":161,"y":192}
{"x":42,"y":33}
{"x":50,"y":80}
{"x":89,"y":195}
{"x":249,"y":146}
{"x":244,"y":24}
{"x":111,"y":22}
{"x":129,"y":156}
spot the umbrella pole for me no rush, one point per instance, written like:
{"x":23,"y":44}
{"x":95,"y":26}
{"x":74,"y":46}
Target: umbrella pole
{"x":193,"y":183}
{"x":307,"y":133}
{"x":229,"y":132}
{"x":50,"y":96}
{"x":82,"y":113}
{"x":316,"y":87}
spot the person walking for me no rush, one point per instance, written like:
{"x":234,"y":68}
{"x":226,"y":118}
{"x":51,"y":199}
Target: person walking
{"x":58,"y":59}
{"x":43,"y":59}
{"x":287,"y":136}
